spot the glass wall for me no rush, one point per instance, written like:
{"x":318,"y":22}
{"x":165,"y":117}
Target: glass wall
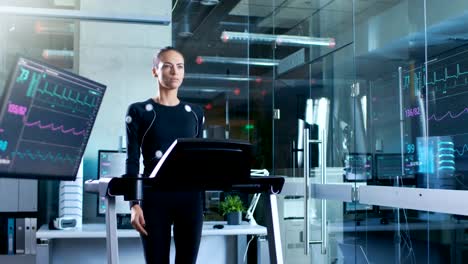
{"x":389,"y":93}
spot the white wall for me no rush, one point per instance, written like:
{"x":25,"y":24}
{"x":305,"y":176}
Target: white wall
{"x":118,"y":55}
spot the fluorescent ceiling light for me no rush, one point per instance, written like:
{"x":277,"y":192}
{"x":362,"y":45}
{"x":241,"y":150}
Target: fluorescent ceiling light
{"x":222,"y":77}
{"x":209,"y":2}
{"x":233,"y":60}
{"x":205,"y":89}
{"x":57,"y":54}
{"x":285,"y":40}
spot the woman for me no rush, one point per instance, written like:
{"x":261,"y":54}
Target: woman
{"x":152,"y":126}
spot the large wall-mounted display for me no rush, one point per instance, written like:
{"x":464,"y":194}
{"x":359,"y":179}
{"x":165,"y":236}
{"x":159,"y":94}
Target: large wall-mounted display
{"x":46,"y":118}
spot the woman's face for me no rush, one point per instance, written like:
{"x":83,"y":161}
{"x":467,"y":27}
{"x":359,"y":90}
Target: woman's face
{"x":170,"y":70}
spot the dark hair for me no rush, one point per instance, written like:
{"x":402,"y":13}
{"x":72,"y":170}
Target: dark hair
{"x":158,"y":54}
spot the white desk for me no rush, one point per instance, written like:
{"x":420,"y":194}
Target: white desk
{"x":88,"y":245}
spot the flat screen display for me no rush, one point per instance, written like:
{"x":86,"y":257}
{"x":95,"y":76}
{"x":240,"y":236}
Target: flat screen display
{"x":46,"y":118}
{"x":389,"y":166}
{"x":358,"y":167}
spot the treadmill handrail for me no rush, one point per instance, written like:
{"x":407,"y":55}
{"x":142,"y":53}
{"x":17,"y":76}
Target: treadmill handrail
{"x":127,"y":186}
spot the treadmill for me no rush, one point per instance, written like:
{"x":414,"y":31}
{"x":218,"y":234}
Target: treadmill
{"x":195,"y":164}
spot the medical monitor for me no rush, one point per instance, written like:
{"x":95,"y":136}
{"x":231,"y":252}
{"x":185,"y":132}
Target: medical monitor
{"x":46,"y":118}
{"x":358,"y":166}
{"x":389,"y":165}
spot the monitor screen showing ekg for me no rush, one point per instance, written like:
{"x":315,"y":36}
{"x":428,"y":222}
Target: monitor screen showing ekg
{"x":46,"y":118}
{"x":389,"y":166}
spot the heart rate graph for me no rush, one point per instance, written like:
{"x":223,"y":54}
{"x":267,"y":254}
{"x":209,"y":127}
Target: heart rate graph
{"x":436,"y":96}
{"x":46,"y":119}
{"x":53,"y":160}
{"x":448,"y":116}
{"x":52,"y":92}
{"x":54,"y":127}
{"x":446,"y":77}
{"x":460,"y":152}
{"x":38,"y":155}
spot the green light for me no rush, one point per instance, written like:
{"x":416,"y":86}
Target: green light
{"x":249,"y":127}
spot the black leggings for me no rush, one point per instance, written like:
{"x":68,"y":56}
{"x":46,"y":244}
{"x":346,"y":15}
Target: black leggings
{"x":184,"y":210}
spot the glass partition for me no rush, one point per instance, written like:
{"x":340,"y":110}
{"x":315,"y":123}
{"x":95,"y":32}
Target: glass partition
{"x":411,"y":83}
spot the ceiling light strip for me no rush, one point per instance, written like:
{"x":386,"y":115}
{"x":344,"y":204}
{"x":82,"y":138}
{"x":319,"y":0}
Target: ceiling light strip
{"x":221,"y":77}
{"x":285,"y":40}
{"x":234,"y":60}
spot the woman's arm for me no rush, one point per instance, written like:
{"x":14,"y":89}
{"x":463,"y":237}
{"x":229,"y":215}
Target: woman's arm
{"x":132,"y":166}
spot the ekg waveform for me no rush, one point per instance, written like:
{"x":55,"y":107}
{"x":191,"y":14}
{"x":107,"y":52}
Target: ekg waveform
{"x":66,"y":95}
{"x":448,"y":114}
{"x":462,"y":152}
{"x":444,"y":77}
{"x":446,"y":81}
{"x":37,"y":155}
{"x":70,"y":107}
{"x":54,"y":127}
{"x":35,"y":80}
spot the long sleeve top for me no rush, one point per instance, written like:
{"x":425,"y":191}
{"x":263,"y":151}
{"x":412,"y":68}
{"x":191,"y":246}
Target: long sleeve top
{"x":152,"y":128}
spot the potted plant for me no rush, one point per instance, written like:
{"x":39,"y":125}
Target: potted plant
{"x":232,"y":207}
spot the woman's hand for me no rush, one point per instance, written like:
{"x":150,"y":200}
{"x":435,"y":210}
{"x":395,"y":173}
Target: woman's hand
{"x":138,"y":220}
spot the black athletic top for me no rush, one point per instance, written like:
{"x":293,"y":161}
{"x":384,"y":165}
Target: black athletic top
{"x":152,"y":128}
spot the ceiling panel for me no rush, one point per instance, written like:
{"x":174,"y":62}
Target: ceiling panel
{"x":373,"y":10}
{"x":307,"y":4}
{"x":340,"y":5}
{"x":251,"y":10}
{"x":361,"y":5}
{"x":262,"y":2}
{"x":286,"y":17}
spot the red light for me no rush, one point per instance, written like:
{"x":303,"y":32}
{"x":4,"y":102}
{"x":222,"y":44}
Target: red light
{"x":332,"y":43}
{"x":263,"y":92}
{"x":258,"y":80}
{"x":208,"y":106}
{"x":236,"y":91}
{"x":199,"y":60}
{"x":225,"y":37}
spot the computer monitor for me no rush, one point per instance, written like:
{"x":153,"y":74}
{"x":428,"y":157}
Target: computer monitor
{"x":46,"y":118}
{"x":358,"y":167}
{"x":111,"y":163}
{"x":389,"y":165}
